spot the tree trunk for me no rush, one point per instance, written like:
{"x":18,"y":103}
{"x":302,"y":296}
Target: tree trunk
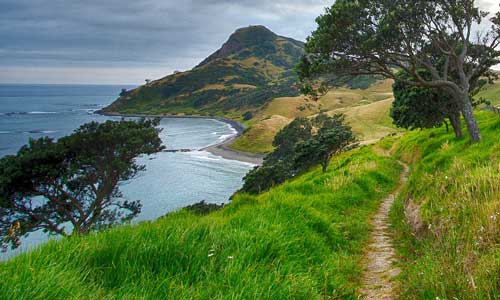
{"x":456,"y":124}
{"x":470,"y":119}
{"x":446,"y":124}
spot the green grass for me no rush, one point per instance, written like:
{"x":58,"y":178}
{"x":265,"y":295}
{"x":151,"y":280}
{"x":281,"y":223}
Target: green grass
{"x":301,"y":240}
{"x":451,"y":249}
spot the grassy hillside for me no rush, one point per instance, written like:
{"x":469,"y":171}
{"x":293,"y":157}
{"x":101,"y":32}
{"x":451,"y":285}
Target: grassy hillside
{"x":451,"y":249}
{"x":370,"y":122}
{"x":367,"y":111}
{"x":253,"y":67}
{"x":301,"y":240}
{"x":492,"y":93}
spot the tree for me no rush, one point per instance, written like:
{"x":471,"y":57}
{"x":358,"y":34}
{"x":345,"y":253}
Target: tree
{"x":248,"y":115}
{"x":278,"y":165}
{"x":300,"y":145}
{"x":284,"y":142}
{"x":72,"y":185}
{"x":333,"y":137}
{"x":419,"y":107}
{"x":447,"y":38}
{"x":264,"y":177}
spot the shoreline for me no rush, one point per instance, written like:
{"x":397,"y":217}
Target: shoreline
{"x":219,"y":149}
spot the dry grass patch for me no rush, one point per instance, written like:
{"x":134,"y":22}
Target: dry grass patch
{"x":370,"y":122}
{"x":209,"y":87}
{"x":290,"y":107}
{"x":345,"y":97}
{"x":259,"y":137}
{"x":242,"y":86}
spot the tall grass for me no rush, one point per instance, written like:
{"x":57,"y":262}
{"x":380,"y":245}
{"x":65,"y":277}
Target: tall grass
{"x":452,"y":251}
{"x":301,"y":240}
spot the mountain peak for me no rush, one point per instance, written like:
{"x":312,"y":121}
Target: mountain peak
{"x":242,"y":38}
{"x":253,"y":67}
{"x":253,"y":33}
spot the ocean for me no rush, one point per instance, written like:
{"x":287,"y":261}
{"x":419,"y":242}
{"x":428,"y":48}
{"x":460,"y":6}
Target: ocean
{"x":170,"y":181}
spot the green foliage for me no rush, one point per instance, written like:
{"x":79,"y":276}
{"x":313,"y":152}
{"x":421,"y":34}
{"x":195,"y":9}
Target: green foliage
{"x":203,"y":208}
{"x":416,"y":107}
{"x":279,"y":165}
{"x":302,"y":240}
{"x":450,"y":247}
{"x":247,"y":116}
{"x":75,"y":180}
{"x":419,"y":107}
{"x":298,"y":148}
{"x":333,"y":137}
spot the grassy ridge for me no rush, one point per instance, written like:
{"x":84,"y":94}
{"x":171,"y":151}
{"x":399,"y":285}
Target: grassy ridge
{"x":301,"y":240}
{"x":367,"y":111}
{"x":450,"y":247}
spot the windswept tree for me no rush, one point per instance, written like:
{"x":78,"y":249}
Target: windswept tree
{"x":333,"y":137}
{"x":450,"y":39}
{"x":303,"y":143}
{"x":72,"y":185}
{"x":278,"y":165}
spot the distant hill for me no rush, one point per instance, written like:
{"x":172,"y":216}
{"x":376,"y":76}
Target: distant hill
{"x":253,"y":67}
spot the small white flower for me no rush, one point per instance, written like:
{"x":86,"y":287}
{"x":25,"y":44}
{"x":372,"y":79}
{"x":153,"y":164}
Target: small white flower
{"x":230,"y":257}
{"x":210,"y":254}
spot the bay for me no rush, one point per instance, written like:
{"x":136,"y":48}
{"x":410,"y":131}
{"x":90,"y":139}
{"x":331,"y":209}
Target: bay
{"x":170,"y":181}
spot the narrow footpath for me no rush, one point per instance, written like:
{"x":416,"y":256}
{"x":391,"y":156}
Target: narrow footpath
{"x":380,"y":256}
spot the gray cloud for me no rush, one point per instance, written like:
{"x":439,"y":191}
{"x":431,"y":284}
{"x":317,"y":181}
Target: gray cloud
{"x":151,"y":36}
{"x":125,"y":41}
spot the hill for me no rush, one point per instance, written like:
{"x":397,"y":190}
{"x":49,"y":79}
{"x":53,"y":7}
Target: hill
{"x":253,"y":67}
{"x":366,"y":107}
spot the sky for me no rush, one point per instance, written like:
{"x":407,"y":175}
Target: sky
{"x":127,"y":41}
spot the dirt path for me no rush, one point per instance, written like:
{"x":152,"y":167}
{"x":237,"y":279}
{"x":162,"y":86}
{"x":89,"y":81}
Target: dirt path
{"x":380,"y":255}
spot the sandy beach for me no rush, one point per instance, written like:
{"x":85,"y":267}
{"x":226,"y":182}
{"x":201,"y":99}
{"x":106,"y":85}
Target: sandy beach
{"x":221,"y":149}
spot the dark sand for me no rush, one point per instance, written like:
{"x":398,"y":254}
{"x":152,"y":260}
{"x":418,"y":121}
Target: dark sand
{"x":221,"y":149}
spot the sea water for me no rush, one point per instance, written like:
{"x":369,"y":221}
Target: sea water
{"x":170,"y":181}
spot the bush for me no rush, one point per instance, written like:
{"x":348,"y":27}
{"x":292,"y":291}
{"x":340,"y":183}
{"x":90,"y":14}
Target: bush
{"x":247,"y":116}
{"x":298,"y":146}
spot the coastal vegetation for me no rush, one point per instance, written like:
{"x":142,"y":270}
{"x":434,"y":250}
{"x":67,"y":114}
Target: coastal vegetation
{"x":303,"y":143}
{"x":302,"y":240}
{"x":379,"y":37}
{"x":72,"y":185}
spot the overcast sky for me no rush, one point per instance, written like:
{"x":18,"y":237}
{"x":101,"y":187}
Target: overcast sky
{"x":126,"y":41}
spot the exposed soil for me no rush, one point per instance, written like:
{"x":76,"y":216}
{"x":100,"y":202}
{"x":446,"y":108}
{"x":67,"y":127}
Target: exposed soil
{"x":380,"y":256}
